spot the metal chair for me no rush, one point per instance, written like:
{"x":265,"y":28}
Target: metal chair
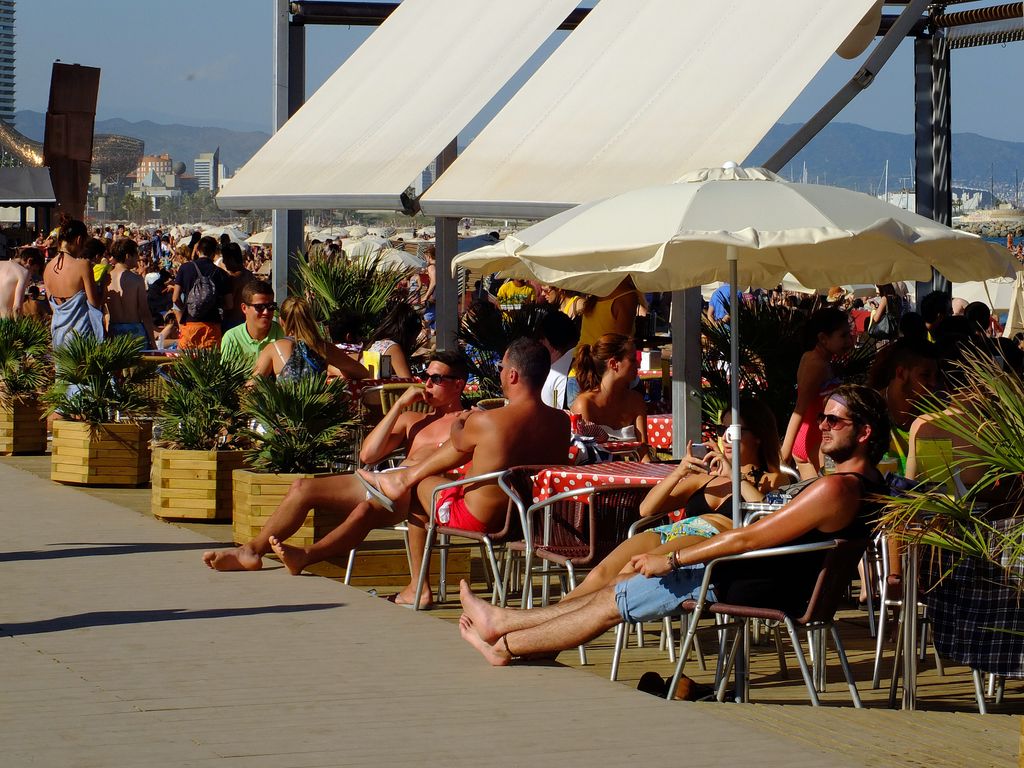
{"x":517,"y":483}
{"x":840,"y":560}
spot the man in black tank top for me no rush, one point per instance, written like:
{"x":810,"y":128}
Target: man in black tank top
{"x":855,"y":433}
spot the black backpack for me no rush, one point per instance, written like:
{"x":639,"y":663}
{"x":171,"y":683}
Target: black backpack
{"x":201,"y":302}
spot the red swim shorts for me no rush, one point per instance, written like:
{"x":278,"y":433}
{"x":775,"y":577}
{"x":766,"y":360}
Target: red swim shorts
{"x":453,"y":512}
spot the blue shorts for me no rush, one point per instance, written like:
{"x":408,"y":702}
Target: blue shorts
{"x":644,"y":599}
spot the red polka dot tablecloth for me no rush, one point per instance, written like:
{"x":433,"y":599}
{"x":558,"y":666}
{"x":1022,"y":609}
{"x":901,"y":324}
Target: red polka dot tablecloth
{"x":554,"y":480}
{"x":659,"y":431}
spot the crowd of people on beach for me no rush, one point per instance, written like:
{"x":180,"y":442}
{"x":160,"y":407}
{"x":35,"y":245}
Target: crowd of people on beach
{"x":573,"y":374}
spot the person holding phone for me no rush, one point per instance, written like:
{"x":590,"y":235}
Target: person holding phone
{"x":701,"y":486}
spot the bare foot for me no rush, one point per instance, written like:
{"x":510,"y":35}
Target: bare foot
{"x":238,"y":559}
{"x":480,"y":613}
{"x":392,"y":485}
{"x":294,"y":558}
{"x":469,"y":633}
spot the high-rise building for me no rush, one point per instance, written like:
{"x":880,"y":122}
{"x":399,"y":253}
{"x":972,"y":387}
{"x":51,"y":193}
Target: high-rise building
{"x":206,"y":169}
{"x":7,"y":61}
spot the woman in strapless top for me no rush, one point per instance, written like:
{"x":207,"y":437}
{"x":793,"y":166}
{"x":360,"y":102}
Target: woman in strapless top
{"x":605,"y":372}
{"x":702,"y":489}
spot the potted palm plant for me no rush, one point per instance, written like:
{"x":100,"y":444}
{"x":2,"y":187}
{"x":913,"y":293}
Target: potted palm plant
{"x":198,"y":446}
{"x":100,"y":394}
{"x":25,"y":371}
{"x":972,"y":545}
{"x":298,"y":429}
{"x":363,"y":289}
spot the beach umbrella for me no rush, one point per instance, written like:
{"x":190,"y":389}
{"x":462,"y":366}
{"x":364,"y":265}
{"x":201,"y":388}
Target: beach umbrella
{"x":396,"y":258}
{"x":234,"y":234}
{"x":746,"y":226}
{"x":263,"y":237}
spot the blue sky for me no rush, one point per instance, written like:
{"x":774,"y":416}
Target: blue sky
{"x":208,"y":62}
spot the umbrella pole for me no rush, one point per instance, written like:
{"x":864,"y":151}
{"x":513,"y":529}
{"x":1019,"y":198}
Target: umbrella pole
{"x":734,"y":382}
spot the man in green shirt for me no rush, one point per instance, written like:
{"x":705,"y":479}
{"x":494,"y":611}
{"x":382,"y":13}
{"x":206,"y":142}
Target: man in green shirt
{"x":244,"y":342}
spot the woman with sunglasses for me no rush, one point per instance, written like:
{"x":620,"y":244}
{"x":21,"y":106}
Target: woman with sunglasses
{"x":702,"y":489}
{"x":827,"y":338}
{"x":304,"y":352}
{"x":605,"y":372}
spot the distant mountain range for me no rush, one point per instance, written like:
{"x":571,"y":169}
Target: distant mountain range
{"x":843,"y":154}
{"x":181,"y":142}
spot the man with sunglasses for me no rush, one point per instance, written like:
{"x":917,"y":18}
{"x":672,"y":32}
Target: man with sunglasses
{"x":418,"y":433}
{"x":246,"y":341}
{"x":855,"y":433}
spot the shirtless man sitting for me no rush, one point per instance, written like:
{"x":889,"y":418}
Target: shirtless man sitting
{"x":419,"y":433}
{"x":523,"y":432}
{"x":127,"y":304}
{"x":855,"y":433}
{"x":14,"y":280}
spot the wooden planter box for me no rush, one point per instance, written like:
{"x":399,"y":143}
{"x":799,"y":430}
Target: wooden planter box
{"x":258,"y":494}
{"x":105,"y":454}
{"x":193,"y":485}
{"x":22,"y":429}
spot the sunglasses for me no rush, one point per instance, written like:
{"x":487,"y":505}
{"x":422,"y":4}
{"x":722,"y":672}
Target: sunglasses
{"x":832,"y":420}
{"x":259,"y":309}
{"x":436,"y":378}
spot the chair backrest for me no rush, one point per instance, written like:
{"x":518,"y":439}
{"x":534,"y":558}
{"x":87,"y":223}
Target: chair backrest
{"x":518,"y":486}
{"x":587,"y":531}
{"x":389,"y":394}
{"x":934,"y":457}
{"x":489,"y":403}
{"x":837,"y":569}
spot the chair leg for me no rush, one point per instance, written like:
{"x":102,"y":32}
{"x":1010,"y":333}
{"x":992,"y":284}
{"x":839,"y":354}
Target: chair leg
{"x":442,"y":577}
{"x":799,"y":651}
{"x":492,"y":560}
{"x":691,"y":631}
{"x":876,"y":673}
{"x":897,"y":662}
{"x":670,"y":640}
{"x":428,"y":547}
{"x":506,"y":575}
{"x":868,"y":567}
{"x":487,"y":575}
{"x":783,"y":668}
{"x":845,"y":664}
{"x":979,"y":691}
{"x":621,"y":631}
{"x":570,"y":573}
{"x":723,"y":680}
{"x":527,"y":599}
{"x":351,"y":564}
{"x":1000,"y":688}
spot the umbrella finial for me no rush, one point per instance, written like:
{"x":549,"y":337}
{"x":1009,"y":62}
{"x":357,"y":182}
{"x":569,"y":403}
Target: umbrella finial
{"x":729,"y":165}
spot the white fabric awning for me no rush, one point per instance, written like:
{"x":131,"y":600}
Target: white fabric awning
{"x":640,"y":94}
{"x":391,"y":108}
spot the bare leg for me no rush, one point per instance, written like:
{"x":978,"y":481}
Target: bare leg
{"x":490,"y":622}
{"x":609,"y":569}
{"x":577,"y":622}
{"x":337,"y":491}
{"x":417,"y":541}
{"x":392,"y":484}
{"x":364,"y":518}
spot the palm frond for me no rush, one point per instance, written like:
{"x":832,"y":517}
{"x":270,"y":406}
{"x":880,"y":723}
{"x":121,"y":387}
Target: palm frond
{"x":202,"y":397}
{"x":363,"y":288}
{"x":303,"y":425}
{"x":100,"y":381}
{"x":986,"y":413}
{"x":25,"y":366}
{"x":485,"y":334}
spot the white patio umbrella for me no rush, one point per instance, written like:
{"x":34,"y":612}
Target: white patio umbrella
{"x":263,"y":237}
{"x":746,"y":226}
{"x":395,"y":258}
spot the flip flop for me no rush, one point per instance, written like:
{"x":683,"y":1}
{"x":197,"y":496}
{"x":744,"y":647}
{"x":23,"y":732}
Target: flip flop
{"x":372,"y":491}
{"x":394,"y":599}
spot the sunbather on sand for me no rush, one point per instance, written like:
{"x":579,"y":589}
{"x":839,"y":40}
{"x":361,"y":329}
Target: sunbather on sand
{"x":419,"y":433}
{"x":523,"y":432}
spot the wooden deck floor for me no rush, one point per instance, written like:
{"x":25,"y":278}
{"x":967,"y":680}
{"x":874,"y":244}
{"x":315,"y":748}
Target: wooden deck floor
{"x":944,"y":733}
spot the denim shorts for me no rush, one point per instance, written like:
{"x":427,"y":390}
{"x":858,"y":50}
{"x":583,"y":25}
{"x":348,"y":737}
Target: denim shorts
{"x":646,"y":599}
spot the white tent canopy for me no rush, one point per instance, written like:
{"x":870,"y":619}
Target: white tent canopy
{"x":639,"y":94}
{"x":347,"y":148}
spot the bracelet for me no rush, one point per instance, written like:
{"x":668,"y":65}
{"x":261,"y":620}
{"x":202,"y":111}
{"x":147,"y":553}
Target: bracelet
{"x":673,"y":561}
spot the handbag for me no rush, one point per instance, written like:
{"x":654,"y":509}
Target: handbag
{"x":883,"y":329}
